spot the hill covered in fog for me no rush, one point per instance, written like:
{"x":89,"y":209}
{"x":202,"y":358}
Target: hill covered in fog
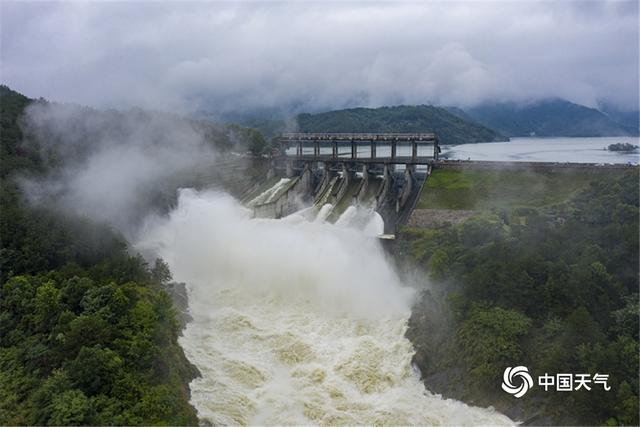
{"x":553,"y":117}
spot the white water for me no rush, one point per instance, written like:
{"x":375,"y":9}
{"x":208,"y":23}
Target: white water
{"x":324,"y":212}
{"x":294,"y":321}
{"x":347,"y":216}
{"x":269,"y":194}
{"x":375,"y":225}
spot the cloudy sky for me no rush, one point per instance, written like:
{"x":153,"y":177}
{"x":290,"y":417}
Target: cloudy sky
{"x":223,"y":56}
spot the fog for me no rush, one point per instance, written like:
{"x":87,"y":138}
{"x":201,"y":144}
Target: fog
{"x":220,"y":57}
{"x":116,"y":167}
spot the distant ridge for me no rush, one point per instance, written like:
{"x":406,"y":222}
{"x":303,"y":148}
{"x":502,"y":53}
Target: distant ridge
{"x":552,"y":117}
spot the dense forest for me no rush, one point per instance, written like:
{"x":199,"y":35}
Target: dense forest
{"x":553,"y":288}
{"x":552,"y":117}
{"x":88,"y":334}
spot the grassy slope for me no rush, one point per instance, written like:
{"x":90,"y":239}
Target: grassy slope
{"x":486,"y":189}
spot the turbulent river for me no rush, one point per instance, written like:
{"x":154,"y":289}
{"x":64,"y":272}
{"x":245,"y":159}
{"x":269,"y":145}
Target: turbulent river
{"x":295,"y":321}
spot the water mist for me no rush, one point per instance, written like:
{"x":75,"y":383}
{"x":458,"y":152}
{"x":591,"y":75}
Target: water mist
{"x":295,"y":321}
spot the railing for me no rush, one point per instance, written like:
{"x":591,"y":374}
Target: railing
{"x":414,"y":137}
{"x":373,"y":139}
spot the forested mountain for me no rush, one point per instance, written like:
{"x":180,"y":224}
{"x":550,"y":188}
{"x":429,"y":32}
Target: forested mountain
{"x":628,"y":119}
{"x":88,"y":334}
{"x":553,"y":117}
{"x":422,"y":118}
{"x":483,"y":123}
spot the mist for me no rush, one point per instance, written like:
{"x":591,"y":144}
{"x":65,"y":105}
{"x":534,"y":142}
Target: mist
{"x":110,"y":166}
{"x":211,"y":242}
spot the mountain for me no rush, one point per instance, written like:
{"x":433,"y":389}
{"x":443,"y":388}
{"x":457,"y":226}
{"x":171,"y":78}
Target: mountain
{"x":450,"y":128}
{"x":553,"y":117}
{"x":629,"y":119}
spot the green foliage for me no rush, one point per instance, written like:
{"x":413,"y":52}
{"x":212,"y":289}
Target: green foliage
{"x":450,"y":128}
{"x":87,"y":334}
{"x":13,"y":155}
{"x":489,"y":339}
{"x":256,"y":142}
{"x":92,"y":362}
{"x":553,"y":287}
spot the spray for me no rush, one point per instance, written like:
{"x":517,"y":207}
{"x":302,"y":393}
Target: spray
{"x":296,"y":321}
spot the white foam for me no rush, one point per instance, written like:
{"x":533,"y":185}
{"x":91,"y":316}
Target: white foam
{"x":347,"y":216}
{"x":269,"y":194}
{"x":294,"y":322}
{"x":324,"y":212}
{"x":375,"y":225}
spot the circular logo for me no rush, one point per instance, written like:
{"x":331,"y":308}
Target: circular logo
{"x":519,"y":374}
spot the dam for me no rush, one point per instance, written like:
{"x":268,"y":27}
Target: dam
{"x":333,"y":172}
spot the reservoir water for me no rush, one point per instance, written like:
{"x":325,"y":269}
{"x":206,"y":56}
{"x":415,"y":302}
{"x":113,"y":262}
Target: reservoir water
{"x":295,"y":321}
{"x":571,"y":150}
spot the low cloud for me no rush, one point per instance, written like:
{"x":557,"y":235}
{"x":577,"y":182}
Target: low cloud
{"x":222,"y":57}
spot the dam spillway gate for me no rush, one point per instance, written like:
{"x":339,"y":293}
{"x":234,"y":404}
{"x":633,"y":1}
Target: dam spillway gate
{"x":374,"y":172}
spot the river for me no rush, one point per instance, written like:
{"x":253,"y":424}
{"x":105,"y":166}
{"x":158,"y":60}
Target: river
{"x":295,"y":321}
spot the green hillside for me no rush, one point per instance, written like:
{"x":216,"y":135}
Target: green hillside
{"x":422,"y":118}
{"x":88,"y":334}
{"x":529,"y":267}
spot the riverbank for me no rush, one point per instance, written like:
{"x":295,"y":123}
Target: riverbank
{"x":527,"y":267}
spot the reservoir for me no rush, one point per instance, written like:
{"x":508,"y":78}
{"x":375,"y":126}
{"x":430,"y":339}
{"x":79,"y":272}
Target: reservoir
{"x":571,"y":150}
{"x":530,"y":149}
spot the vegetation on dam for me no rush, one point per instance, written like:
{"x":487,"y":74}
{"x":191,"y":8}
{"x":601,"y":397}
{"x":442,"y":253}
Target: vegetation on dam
{"x":544,"y":275}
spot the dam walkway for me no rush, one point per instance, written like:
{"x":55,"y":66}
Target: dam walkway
{"x":384,"y":148}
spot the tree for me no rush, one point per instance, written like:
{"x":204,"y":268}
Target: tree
{"x":490,"y":340}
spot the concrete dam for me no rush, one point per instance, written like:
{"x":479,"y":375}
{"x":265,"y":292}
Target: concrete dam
{"x":346,"y":176}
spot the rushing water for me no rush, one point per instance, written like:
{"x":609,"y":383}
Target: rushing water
{"x":295,"y":321}
{"x":572,"y":150}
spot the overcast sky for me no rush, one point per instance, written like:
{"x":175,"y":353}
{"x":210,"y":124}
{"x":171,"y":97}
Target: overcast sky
{"x":222,"y":56}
